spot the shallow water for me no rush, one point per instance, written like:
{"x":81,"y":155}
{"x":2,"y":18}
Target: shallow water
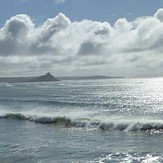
{"x":117,"y":120}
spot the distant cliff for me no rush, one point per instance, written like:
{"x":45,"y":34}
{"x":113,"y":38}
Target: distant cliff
{"x":44,"y":78}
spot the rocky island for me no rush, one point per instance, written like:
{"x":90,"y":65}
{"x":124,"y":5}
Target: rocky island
{"x":44,"y":78}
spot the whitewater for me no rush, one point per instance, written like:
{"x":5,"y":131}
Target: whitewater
{"x":111,"y":120}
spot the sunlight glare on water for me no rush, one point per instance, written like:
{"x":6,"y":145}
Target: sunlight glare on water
{"x":118,"y":120}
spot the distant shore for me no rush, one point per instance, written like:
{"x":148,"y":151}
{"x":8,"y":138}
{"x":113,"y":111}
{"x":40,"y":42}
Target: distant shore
{"x":37,"y":78}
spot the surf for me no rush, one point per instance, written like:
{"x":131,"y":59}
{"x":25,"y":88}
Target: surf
{"x":88,"y":123}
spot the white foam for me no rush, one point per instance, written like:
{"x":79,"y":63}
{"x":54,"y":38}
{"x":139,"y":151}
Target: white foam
{"x":128,"y":158}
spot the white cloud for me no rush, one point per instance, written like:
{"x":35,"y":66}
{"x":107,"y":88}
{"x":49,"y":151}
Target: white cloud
{"x":159,"y":14}
{"x":82,"y":48}
{"x":60,"y":1}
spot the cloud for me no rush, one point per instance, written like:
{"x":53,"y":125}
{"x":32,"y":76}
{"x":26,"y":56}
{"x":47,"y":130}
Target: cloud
{"x":159,"y":14}
{"x":128,"y":48}
{"x":90,"y":48}
{"x":60,"y":1}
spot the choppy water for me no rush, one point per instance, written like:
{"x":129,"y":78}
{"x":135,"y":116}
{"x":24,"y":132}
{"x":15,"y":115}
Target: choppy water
{"x":117,"y":120}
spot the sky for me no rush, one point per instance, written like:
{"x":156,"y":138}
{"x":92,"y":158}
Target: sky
{"x":81,"y":37}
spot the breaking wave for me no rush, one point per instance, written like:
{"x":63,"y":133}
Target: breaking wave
{"x":129,"y":157}
{"x":127,"y":126}
{"x":42,"y":120}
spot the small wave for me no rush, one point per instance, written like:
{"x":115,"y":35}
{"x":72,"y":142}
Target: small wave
{"x":132,"y":126}
{"x":6,"y":85}
{"x":9,"y":85}
{"x":62,"y":84}
{"x":128,"y":126}
{"x":46,"y":102}
{"x":42,"y":120}
{"x":17,"y":116}
{"x":129,"y":157}
{"x":57,"y":120}
{"x":52,"y":102}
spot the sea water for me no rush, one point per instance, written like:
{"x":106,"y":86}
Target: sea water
{"x":100,"y":121}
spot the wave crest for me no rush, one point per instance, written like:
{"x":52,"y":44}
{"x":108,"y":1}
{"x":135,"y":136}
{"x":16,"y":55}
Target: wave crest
{"x":17,"y":116}
{"x":57,"y":120}
{"x":42,"y":120}
{"x":127,"y":126}
{"x":134,"y":126}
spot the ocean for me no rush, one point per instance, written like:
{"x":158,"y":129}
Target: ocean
{"x":84,"y":121}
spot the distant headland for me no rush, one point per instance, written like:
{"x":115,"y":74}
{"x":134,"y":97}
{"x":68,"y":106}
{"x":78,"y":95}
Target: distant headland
{"x":48,"y":77}
{"x":43,"y":78}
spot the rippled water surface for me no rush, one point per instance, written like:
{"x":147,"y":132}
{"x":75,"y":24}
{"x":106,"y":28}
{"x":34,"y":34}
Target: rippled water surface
{"x":117,"y":120}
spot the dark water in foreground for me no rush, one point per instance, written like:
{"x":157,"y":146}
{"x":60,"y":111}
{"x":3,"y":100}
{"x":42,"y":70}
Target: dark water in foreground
{"x":118,"y":120}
